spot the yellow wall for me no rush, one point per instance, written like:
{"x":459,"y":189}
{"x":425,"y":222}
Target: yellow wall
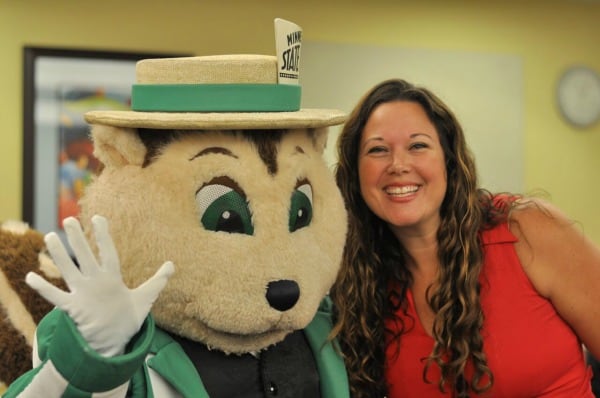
{"x":548,"y":35}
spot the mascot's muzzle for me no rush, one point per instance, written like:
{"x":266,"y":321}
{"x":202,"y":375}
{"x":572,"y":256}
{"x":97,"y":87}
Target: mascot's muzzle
{"x":283,"y":294}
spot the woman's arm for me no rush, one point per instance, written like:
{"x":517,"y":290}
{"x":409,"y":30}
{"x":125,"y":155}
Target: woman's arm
{"x":562,"y":264}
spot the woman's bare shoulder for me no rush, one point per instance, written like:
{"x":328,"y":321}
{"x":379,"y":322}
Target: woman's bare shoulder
{"x":562,"y":264}
{"x":548,"y":241}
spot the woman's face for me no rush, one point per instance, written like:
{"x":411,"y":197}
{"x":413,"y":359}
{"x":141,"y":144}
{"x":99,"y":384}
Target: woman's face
{"x":401,"y":168}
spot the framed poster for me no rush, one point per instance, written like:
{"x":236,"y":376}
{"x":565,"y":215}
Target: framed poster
{"x":59,"y":86}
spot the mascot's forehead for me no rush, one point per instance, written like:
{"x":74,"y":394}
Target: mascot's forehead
{"x":245,"y":143}
{"x":197,"y":157}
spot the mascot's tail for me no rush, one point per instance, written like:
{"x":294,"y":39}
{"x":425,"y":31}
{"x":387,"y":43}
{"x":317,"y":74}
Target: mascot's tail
{"x":22,"y":250}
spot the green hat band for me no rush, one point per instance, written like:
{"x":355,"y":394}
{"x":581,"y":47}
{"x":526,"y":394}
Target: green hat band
{"x":215,"y":97}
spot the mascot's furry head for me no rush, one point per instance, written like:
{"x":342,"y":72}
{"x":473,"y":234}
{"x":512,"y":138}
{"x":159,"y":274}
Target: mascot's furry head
{"x":218,"y":169}
{"x":22,"y":250}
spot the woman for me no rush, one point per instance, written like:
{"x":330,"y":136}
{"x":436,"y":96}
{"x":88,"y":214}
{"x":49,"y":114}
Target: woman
{"x":447,"y":289}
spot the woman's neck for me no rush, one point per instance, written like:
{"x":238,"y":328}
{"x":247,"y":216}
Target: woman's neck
{"x":423,"y":264}
{"x":421,"y":249}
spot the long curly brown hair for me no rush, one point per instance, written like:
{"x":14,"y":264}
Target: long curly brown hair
{"x":374,"y":260}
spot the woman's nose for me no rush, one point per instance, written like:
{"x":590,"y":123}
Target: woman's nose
{"x":398,"y":165}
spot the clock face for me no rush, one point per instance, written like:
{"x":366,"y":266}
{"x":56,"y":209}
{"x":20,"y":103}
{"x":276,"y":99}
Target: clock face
{"x":579,"y":96}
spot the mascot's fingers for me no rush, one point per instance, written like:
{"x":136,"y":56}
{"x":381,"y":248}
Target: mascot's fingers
{"x":148,"y":291}
{"x":106,"y":248}
{"x":87,"y":262}
{"x":47,"y":290}
{"x":68,"y":269}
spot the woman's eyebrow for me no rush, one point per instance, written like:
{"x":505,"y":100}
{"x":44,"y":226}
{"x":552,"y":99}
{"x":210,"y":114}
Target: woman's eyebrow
{"x":416,"y":135}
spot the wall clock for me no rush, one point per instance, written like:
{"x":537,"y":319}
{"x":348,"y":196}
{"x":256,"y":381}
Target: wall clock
{"x":578,"y":96}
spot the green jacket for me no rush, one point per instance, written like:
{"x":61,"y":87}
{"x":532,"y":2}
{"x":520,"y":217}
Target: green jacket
{"x":81,"y":371}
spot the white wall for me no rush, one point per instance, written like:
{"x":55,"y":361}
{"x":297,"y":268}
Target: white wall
{"x":484,"y":90}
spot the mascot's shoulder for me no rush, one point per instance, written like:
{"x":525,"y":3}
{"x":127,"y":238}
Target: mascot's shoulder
{"x":326,"y":305}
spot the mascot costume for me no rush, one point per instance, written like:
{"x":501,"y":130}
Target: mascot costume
{"x":207,"y":243}
{"x":22,"y":250}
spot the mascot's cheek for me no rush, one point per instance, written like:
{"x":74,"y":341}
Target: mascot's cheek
{"x":230,"y":291}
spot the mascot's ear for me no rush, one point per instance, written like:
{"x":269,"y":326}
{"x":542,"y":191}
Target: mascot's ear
{"x":118,"y":146}
{"x":320,"y":139}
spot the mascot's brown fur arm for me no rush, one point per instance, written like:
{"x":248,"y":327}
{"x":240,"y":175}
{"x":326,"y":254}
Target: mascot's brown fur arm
{"x":22,"y":250}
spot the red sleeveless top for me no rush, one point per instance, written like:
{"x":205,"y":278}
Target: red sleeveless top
{"x":530,"y":350}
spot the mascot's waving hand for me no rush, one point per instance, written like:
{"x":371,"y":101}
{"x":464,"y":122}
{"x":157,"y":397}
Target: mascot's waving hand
{"x":207,"y":243}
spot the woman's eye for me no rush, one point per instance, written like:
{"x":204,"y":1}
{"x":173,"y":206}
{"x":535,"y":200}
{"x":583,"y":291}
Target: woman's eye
{"x":377,"y":149}
{"x":223,"y":209}
{"x":419,"y":145}
{"x":301,"y":209}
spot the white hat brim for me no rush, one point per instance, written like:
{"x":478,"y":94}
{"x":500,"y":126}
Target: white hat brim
{"x":304,"y":118}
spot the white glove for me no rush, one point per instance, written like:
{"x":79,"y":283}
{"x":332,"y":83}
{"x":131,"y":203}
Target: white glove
{"x":107,"y":313}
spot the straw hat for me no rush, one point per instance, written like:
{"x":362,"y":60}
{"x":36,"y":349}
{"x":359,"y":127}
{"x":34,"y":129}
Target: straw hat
{"x":218,"y":92}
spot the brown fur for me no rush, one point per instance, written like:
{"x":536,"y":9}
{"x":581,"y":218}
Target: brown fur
{"x":15,"y":353}
{"x":21,"y":250}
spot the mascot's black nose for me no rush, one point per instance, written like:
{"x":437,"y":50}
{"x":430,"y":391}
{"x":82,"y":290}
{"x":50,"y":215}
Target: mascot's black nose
{"x":283,"y":295}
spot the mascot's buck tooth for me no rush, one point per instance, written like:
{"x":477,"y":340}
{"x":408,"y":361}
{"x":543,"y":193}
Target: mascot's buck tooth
{"x":217,"y":170}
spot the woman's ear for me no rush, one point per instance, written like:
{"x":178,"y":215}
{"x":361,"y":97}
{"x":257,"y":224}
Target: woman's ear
{"x":118,"y":146}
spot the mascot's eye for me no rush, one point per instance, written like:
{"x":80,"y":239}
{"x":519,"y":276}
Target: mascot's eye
{"x":223,"y":209}
{"x":301,"y":209}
